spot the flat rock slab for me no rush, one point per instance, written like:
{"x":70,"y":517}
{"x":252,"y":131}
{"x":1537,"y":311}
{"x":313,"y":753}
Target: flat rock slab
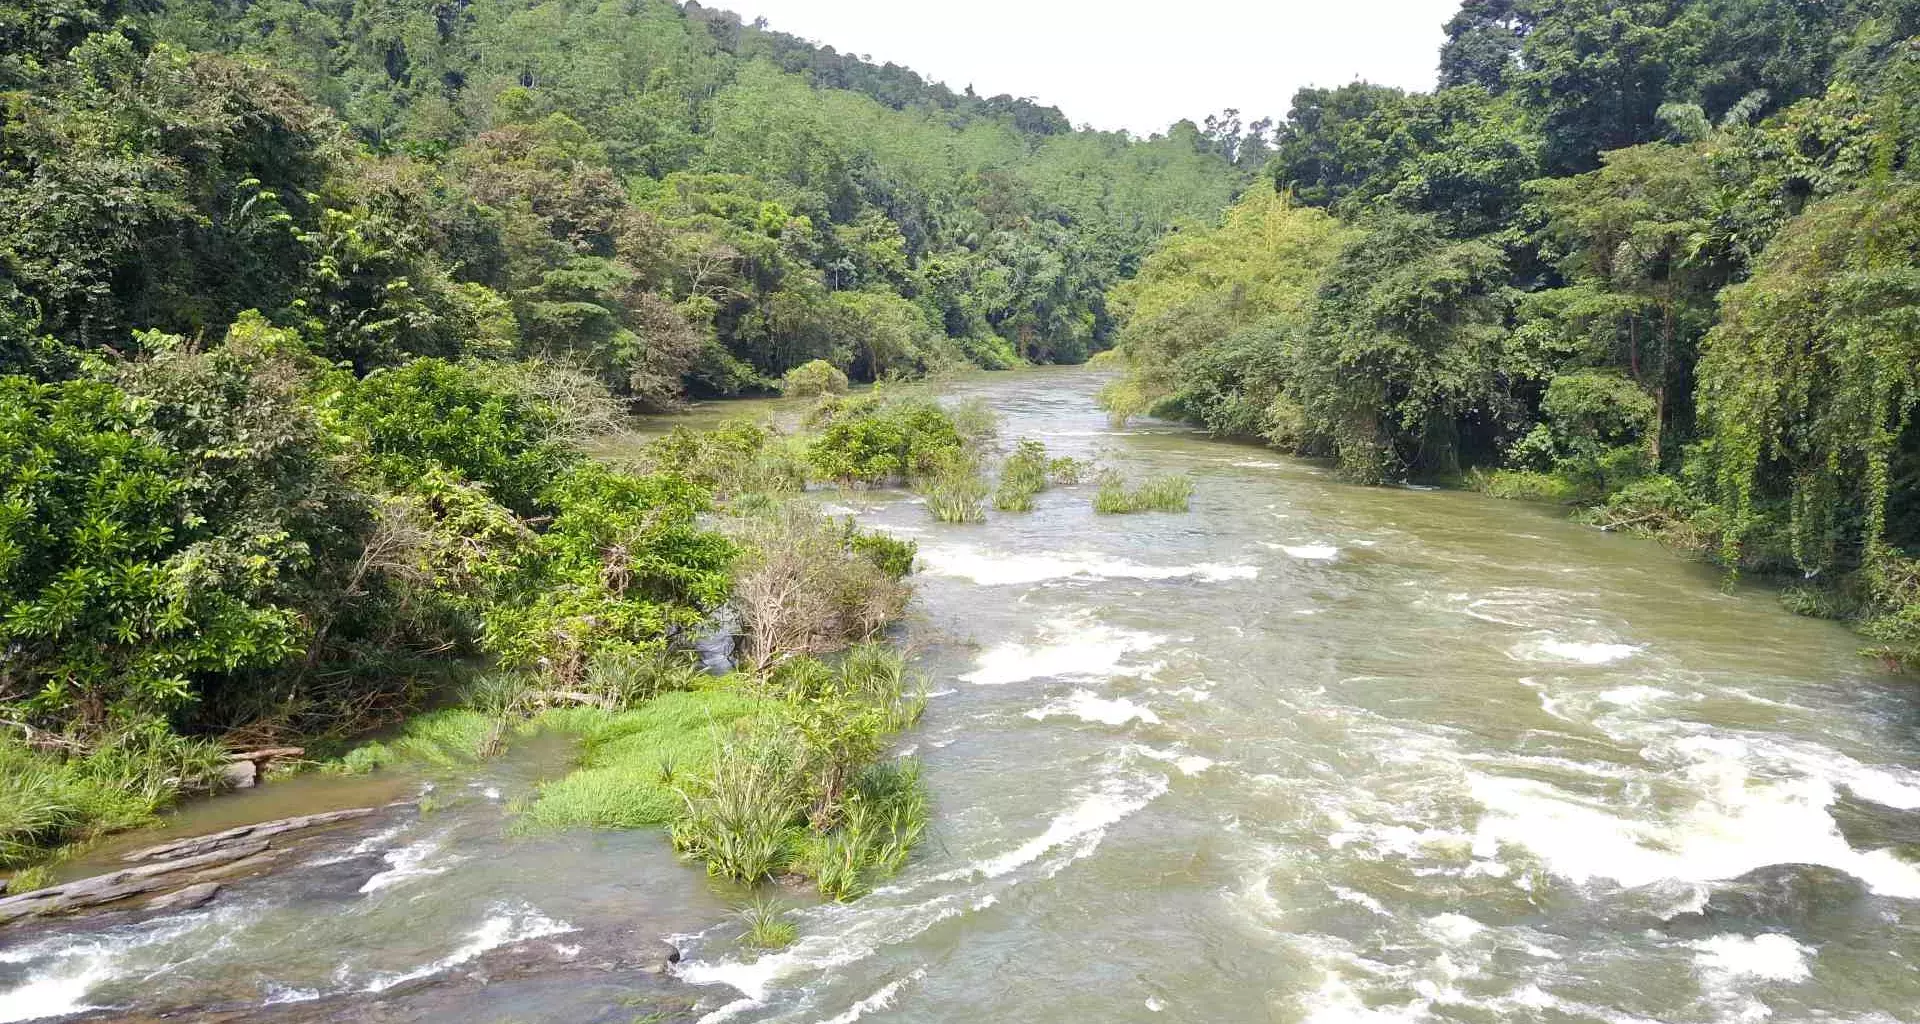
{"x":201,"y":844}
{"x":118,"y":885}
{"x":185,"y":899}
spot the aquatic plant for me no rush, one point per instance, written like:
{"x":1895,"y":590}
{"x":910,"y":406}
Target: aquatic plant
{"x":742,"y":816}
{"x":768,"y":927}
{"x":958,"y":494}
{"x":66,"y":790}
{"x":1022,"y":476}
{"x":1168,"y":493}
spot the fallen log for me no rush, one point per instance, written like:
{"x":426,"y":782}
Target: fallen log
{"x":200,"y":844}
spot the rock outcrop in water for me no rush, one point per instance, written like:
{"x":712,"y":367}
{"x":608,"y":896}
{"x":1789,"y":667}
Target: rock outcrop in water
{"x":1794,"y":898}
{"x":183,"y":865}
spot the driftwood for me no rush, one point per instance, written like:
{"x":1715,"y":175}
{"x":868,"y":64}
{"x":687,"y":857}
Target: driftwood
{"x":118,"y":885}
{"x":201,"y":844}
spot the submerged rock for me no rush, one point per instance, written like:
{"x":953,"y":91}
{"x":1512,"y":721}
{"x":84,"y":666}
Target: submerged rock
{"x":185,"y":899}
{"x":1796,"y":898}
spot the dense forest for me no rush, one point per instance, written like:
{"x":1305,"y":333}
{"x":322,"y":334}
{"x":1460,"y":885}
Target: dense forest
{"x":309,"y":310}
{"x":1659,"y":259}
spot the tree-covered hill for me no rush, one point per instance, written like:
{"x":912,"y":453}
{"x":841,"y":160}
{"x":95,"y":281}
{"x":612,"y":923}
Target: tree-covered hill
{"x":674,"y":198}
{"x":1657,"y":258}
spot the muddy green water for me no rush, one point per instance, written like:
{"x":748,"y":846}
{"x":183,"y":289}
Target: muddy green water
{"x":1309,"y":752}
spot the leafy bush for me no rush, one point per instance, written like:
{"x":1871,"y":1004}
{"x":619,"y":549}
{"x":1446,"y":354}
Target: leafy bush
{"x":891,"y":555}
{"x":874,"y":441}
{"x":1523,"y":485}
{"x":114,"y":587}
{"x":812,"y":379}
{"x":432,"y":413}
{"x":1067,"y":470}
{"x":1169,"y":493}
{"x":737,"y":457}
{"x":621,"y":567}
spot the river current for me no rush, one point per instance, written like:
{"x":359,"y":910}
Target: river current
{"x":1306,"y":753}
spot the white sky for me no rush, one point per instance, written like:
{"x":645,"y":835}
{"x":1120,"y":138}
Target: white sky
{"x":1130,"y":63}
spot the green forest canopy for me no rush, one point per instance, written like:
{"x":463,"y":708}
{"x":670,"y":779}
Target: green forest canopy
{"x":1660,"y":257}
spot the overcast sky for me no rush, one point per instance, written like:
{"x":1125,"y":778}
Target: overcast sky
{"x":1134,"y":65}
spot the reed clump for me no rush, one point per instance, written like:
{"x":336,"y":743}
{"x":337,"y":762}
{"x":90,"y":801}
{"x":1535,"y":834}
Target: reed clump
{"x":1166,"y":493}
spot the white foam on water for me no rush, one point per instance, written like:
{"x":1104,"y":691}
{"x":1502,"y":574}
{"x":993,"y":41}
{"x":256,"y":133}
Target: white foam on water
{"x":280,"y":995}
{"x":1455,"y":928}
{"x":879,"y":1000}
{"x":1088,"y":707}
{"x":1337,"y":1002}
{"x":837,"y":935}
{"x":998,"y":569}
{"x":75,"y":964}
{"x":1740,"y":824}
{"x":1188,"y":764}
{"x":845,"y":934}
{"x":1767,"y":957}
{"x":54,"y":995}
{"x":503,"y":927}
{"x":1358,"y":899}
{"x":1109,"y":803}
{"x":1551,"y":648}
{"x":1072,"y":646}
{"x":1305,"y":552}
{"x":377,"y":841}
{"x":409,"y":862}
{"x":1638,"y":696}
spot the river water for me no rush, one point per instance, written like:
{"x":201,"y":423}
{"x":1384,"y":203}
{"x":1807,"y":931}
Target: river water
{"x":1309,"y":752}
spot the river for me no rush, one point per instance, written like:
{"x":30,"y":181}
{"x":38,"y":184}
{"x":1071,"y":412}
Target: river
{"x":1309,"y":752}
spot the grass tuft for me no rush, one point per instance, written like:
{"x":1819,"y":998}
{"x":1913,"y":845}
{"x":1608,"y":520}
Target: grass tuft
{"x":1169,"y":493}
{"x":767,"y":926}
{"x":957,"y":494}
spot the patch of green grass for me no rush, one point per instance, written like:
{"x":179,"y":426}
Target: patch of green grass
{"x":116,"y":780}
{"x":743,"y":814}
{"x":767,"y":926}
{"x":633,"y":762}
{"x":1169,"y":493}
{"x":38,"y":876}
{"x":448,"y":738}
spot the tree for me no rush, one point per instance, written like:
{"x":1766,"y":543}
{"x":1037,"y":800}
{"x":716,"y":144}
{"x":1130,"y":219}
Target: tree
{"x":1400,"y":369}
